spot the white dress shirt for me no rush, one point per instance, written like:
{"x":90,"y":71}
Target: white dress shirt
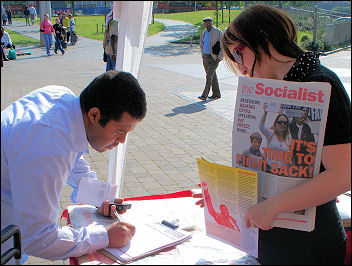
{"x":42,"y":141}
{"x":6,"y":39}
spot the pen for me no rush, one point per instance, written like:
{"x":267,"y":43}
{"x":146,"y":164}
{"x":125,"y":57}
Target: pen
{"x":168,"y":224}
{"x":118,"y":216}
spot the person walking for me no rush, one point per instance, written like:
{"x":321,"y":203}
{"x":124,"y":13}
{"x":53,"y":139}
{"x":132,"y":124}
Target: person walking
{"x":110,"y":44}
{"x":26,"y":14}
{"x":9,"y":17}
{"x":47,"y":29}
{"x":212,"y":54}
{"x":59,"y":31}
{"x":32,"y":14}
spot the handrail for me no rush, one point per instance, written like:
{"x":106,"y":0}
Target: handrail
{"x":16,"y":251}
{"x":194,"y":31}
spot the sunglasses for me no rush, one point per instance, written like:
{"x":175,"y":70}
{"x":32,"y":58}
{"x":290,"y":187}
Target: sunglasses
{"x":236,"y":53}
{"x":283,"y":123}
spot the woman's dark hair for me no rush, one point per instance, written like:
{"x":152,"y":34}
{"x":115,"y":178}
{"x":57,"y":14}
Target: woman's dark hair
{"x":256,"y":26}
{"x":113,"y":93}
{"x":287,"y":128}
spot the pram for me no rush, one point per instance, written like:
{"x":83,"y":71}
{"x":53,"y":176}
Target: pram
{"x":74,"y":38}
{"x":64,"y":42}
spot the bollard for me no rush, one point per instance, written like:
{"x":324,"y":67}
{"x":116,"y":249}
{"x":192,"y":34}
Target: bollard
{"x":97,"y":28}
{"x":102,"y":28}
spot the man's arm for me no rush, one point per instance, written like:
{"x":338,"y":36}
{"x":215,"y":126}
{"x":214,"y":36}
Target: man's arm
{"x":114,"y":47}
{"x":208,"y":202}
{"x":36,"y":184}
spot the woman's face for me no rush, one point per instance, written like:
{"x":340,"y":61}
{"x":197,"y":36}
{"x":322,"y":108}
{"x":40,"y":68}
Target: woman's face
{"x":281,"y":124}
{"x":248,"y":59}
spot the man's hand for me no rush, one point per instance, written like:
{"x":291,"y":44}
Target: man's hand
{"x":120,"y":234}
{"x":104,"y":208}
{"x":113,"y":57}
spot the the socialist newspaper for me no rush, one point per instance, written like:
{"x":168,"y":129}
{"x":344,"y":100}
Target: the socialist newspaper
{"x":228,"y":192}
{"x":278,"y":131}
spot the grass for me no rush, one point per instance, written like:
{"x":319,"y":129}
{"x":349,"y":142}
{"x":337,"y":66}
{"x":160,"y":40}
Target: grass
{"x":19,"y":39}
{"x":86,"y":26}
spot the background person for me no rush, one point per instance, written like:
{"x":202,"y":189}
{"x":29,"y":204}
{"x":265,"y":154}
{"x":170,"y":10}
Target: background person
{"x":9,"y":17}
{"x":66,"y":24}
{"x":278,"y":135}
{"x":212,"y":54}
{"x":44,"y":136}
{"x":71,"y":26}
{"x":59,"y":31}
{"x":32,"y":14}
{"x":48,"y":29}
{"x":269,"y":50}
{"x":110,"y":44}
{"x":26,"y":14}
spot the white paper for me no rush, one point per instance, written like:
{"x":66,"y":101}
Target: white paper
{"x":94,"y":192}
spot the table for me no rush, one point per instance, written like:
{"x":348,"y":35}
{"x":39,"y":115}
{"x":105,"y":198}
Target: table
{"x":201,"y":249}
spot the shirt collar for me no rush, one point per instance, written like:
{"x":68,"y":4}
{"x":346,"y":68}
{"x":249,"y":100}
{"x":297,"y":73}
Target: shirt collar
{"x":305,"y":63}
{"x":79,"y":130}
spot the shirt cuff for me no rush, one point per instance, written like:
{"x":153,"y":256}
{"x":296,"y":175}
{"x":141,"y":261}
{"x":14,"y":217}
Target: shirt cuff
{"x":99,"y":236}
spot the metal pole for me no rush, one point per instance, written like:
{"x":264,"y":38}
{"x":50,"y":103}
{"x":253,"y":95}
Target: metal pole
{"x":105,"y":11}
{"x":315,"y":25}
{"x":217,"y":23}
{"x":45,"y":8}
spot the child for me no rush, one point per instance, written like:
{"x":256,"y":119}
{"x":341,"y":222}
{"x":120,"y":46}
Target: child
{"x":254,"y":149}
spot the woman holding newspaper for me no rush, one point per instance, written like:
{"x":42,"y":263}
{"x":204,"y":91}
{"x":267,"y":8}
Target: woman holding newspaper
{"x":262,"y":42}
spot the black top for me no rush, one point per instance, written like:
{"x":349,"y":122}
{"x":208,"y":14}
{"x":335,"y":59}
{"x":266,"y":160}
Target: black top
{"x":326,"y":244}
{"x":26,"y":12}
{"x":58,"y":27}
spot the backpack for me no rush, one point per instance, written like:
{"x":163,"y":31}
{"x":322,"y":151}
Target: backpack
{"x":12,"y":54}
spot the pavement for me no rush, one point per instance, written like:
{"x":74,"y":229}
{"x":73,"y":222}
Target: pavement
{"x":162,"y":150}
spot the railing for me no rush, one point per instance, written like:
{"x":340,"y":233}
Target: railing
{"x":194,"y":31}
{"x":6,"y":233}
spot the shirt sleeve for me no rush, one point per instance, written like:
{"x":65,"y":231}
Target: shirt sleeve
{"x":37,"y":182}
{"x":80,"y":170}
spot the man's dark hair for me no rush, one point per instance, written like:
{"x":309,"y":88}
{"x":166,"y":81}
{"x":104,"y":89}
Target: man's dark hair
{"x":113,"y":93}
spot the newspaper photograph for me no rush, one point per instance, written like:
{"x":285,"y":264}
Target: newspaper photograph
{"x":278,"y":131}
{"x":228,"y":192}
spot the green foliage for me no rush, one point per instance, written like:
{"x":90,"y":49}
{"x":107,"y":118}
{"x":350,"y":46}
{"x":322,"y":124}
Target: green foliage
{"x":19,"y":39}
{"x":343,"y":9}
{"x":304,"y":38}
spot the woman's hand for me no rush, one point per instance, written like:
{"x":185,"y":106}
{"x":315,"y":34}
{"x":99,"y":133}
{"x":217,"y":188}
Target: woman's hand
{"x":199,"y":195}
{"x":261,"y":215}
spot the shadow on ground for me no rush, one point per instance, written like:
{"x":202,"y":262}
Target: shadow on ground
{"x":170,"y":49}
{"x":187,"y":109}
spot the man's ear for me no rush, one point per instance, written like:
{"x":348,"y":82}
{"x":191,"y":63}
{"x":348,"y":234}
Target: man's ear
{"x":94,"y":115}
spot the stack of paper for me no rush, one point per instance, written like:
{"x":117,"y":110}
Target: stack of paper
{"x":150,"y":237}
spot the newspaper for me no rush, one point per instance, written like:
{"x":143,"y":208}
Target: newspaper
{"x":228,"y":192}
{"x":297,"y":113}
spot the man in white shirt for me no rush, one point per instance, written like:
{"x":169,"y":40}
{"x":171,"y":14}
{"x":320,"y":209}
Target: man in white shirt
{"x":6,"y":40}
{"x":32,"y":14}
{"x":43,"y":137}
